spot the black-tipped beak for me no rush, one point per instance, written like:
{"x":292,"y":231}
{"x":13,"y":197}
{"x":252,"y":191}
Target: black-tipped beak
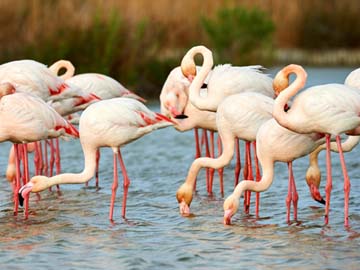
{"x":322,"y":201}
{"x":181,"y":116}
{"x":21,"y":199}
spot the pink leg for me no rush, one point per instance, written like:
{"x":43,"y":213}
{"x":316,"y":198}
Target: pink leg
{"x":346,"y":182}
{"x":295,"y":196}
{"x":17,"y":179}
{"x":57,"y":159}
{"x":26,"y":173}
{"x":212,"y":155}
{"x":58,"y":156}
{"x":207,"y":154}
{"x":250,"y":177}
{"x":113,"y":188}
{"x":46,"y":160}
{"x":52,"y":157}
{"x":197,"y":145}
{"x":328,"y":187}
{"x":23,"y":152}
{"x":41,"y":160}
{"x":238,"y":162}
{"x":221,"y":170}
{"x":126,"y":183}
{"x":258,"y":178}
{"x":97,"y":168}
{"x":289,"y":196}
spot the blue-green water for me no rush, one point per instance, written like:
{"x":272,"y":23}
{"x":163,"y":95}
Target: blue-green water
{"x":71,"y":230}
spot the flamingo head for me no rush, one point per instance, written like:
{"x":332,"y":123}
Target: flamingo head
{"x":280,"y":82}
{"x":36,"y":184}
{"x":313,"y":178}
{"x":184,"y":197}
{"x":188,"y":68}
{"x":175,"y":102}
{"x":231,"y":205}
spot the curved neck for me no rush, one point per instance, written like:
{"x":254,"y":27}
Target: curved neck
{"x":282,"y":117}
{"x":77,"y":178}
{"x":262,"y":185}
{"x":202,"y":103}
{"x":70,"y":69}
{"x":215,"y":163}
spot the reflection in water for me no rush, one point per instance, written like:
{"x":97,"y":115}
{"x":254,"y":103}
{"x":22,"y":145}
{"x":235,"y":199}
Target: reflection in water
{"x":72,"y":228}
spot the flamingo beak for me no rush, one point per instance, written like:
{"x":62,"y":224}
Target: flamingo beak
{"x":184,"y":208}
{"x":315,"y":194}
{"x":174,"y":112}
{"x":227,"y":217}
{"x":24,"y":192}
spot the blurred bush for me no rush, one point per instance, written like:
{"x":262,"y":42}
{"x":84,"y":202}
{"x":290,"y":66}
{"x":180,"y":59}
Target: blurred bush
{"x":240,"y":35}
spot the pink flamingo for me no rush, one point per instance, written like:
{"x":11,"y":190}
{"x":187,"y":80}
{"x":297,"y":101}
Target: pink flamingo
{"x":175,"y":104}
{"x":275,"y":143}
{"x":223,"y":80}
{"x":26,"y":118}
{"x":232,"y":119}
{"x":331,"y":109}
{"x":112,"y":123}
{"x":101,"y":85}
{"x":30,"y":82}
{"x":35,"y":78}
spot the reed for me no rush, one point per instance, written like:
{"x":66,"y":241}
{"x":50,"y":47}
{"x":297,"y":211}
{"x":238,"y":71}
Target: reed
{"x":138,"y":42}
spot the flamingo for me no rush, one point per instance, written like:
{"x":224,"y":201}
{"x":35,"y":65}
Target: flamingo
{"x":30,"y":82}
{"x":275,"y":143}
{"x":33,"y":77}
{"x":332,"y":109}
{"x":238,"y":116}
{"x":223,"y":80}
{"x":101,"y":85}
{"x":175,"y":104}
{"x":26,"y":118}
{"x":112,"y":123}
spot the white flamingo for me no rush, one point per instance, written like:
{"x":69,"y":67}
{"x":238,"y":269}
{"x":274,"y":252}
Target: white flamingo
{"x":107,"y":123}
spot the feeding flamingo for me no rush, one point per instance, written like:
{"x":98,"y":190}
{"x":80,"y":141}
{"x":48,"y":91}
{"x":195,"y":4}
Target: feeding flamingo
{"x":332,"y":109}
{"x":313,"y":173}
{"x":238,"y":116}
{"x":175,"y":104}
{"x":275,"y":143}
{"x":107,"y":123}
{"x":26,"y":118}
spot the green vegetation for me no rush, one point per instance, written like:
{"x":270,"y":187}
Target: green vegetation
{"x":240,"y":35}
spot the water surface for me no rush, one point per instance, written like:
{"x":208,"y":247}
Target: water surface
{"x":71,"y":229}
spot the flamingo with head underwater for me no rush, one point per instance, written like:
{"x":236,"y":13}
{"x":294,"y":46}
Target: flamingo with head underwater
{"x":331,"y":109}
{"x":276,"y":143}
{"x":107,"y":123}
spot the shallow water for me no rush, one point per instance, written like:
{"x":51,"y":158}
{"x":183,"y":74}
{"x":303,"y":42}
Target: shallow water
{"x":72,"y":230}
